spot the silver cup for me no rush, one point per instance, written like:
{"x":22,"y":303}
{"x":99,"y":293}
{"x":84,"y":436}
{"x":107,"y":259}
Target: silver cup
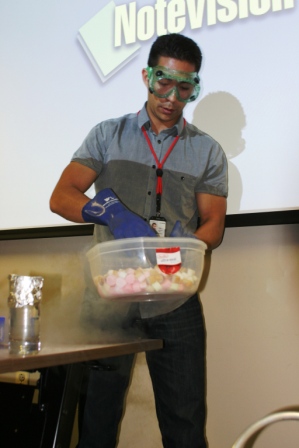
{"x":24,"y":303}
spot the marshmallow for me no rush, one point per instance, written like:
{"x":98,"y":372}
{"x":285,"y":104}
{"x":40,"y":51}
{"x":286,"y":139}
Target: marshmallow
{"x":129,"y":282}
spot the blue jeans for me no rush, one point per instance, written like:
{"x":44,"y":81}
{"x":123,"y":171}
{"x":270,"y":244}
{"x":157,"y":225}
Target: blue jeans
{"x":178,"y":376}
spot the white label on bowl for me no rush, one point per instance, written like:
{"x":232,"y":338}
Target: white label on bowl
{"x":169,"y":256}
{"x":169,"y":259}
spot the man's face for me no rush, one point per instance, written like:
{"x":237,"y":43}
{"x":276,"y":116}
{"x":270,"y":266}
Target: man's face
{"x":164,"y":112}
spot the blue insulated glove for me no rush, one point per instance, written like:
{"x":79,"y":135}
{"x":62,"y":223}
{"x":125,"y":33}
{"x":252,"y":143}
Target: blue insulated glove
{"x":106,"y":209}
{"x":178,"y":231}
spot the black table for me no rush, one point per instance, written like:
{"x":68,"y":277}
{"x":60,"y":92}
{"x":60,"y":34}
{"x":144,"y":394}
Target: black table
{"x":49,"y":424}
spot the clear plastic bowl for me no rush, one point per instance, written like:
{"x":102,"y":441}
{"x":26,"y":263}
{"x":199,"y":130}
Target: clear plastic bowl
{"x":145,"y":269}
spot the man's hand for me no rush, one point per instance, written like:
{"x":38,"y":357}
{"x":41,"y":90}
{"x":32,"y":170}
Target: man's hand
{"x":179,"y":231}
{"x":106,"y":209}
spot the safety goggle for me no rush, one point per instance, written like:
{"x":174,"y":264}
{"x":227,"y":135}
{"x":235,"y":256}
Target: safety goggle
{"x":163,"y":82}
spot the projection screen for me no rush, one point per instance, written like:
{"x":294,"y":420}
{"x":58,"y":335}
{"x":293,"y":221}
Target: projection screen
{"x":67,"y":65}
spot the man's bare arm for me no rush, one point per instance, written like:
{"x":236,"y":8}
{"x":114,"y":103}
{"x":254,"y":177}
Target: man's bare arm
{"x":212,"y":211}
{"x":68,"y":197}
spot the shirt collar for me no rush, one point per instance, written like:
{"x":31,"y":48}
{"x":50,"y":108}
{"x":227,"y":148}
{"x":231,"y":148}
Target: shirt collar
{"x":143,"y":120}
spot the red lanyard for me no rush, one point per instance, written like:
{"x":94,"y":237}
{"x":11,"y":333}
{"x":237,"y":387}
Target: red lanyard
{"x":159,"y":170}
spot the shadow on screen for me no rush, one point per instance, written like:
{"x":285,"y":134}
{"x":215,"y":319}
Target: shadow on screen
{"x":221,"y":115}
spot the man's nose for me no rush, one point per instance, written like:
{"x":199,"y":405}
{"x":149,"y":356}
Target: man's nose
{"x":173,"y":95}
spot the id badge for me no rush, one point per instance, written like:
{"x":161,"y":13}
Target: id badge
{"x":158,"y":224}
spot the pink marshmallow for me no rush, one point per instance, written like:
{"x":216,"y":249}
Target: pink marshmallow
{"x":166,"y":284}
{"x":128,"y":289}
{"x":141,"y":278}
{"x":143,"y":285}
{"x":136,"y":287}
{"x":111,"y":280}
{"x":130,"y":279}
{"x":120,"y":282}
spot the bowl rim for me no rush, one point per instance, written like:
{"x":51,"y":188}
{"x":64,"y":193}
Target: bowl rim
{"x":146,"y":243}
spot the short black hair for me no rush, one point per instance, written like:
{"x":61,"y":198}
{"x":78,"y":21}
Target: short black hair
{"x":175,"y":46}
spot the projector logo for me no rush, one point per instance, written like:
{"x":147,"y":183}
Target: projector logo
{"x":97,"y":40}
{"x":111,"y":37}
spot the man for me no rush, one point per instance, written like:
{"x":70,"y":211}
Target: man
{"x":165,"y":172}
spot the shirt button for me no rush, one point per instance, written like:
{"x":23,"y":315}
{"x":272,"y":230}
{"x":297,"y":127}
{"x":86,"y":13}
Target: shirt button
{"x":149,"y":193}
{"x":154,"y":166}
{"x":159,"y":141}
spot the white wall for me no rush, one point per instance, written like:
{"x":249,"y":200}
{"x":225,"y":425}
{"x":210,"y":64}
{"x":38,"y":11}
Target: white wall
{"x":250,"y":296}
{"x":251,"y":305}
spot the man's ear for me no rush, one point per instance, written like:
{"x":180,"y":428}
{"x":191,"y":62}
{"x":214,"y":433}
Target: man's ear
{"x":145,"y":77}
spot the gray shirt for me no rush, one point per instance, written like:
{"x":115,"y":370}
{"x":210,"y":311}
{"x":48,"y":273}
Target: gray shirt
{"x":118,"y":151}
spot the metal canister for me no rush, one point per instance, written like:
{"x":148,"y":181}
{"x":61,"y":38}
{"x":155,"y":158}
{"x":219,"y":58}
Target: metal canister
{"x":24,"y":302}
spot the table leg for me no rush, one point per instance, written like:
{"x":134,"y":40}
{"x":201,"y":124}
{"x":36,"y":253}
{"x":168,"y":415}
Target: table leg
{"x":59,"y":395}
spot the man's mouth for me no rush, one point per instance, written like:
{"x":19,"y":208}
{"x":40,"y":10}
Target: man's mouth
{"x":167,"y":110}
